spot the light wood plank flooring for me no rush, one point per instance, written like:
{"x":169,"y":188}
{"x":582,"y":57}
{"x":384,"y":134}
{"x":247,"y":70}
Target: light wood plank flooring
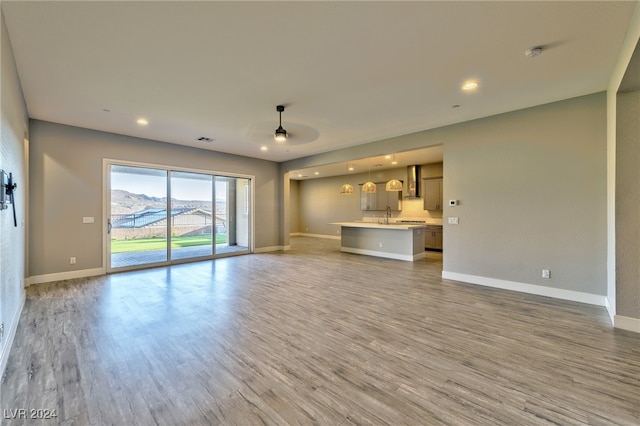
{"x":314,"y":336}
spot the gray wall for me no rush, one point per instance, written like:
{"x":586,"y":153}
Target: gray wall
{"x":12,"y":159}
{"x":66,"y":179}
{"x":321,"y":203}
{"x":532,"y":192}
{"x":628,"y":204}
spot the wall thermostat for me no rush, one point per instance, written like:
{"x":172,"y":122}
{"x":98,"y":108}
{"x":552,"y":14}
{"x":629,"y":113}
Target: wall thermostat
{"x":453,"y":203}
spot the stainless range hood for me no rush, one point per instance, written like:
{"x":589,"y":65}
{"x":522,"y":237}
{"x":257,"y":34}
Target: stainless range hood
{"x":413,"y":182}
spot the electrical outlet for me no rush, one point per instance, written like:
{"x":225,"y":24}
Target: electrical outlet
{"x":380,"y":245}
{"x":546,"y":273}
{"x":72,"y":261}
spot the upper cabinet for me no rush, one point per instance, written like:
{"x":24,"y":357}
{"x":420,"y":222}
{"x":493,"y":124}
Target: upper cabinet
{"x":381,"y":199}
{"x":368,"y":200}
{"x":432,"y":193}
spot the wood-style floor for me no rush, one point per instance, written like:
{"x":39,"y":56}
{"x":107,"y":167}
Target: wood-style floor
{"x":314,"y":336}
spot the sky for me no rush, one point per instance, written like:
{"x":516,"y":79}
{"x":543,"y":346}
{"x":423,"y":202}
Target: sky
{"x":156,"y":186}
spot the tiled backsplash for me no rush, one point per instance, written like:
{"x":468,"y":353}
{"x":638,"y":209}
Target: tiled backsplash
{"x":412,"y":209}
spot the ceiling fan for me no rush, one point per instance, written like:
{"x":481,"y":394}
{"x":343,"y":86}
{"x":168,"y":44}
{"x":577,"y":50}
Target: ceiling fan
{"x":295,"y":133}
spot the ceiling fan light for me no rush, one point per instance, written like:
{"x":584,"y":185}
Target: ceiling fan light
{"x":394,"y":185}
{"x":369,"y":188}
{"x":280,"y":135}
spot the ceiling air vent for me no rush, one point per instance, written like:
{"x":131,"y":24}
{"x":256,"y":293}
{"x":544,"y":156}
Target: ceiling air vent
{"x":205,"y":139}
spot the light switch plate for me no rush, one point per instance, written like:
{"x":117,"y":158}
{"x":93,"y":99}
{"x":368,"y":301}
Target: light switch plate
{"x":88,"y":219}
{"x":453,"y":221}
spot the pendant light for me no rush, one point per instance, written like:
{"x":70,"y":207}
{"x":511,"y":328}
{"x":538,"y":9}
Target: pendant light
{"x":281,"y":134}
{"x":394,"y":184}
{"x":346,"y":189}
{"x":369,"y":187}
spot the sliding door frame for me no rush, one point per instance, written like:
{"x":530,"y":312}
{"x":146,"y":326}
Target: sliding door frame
{"x":106,"y":211}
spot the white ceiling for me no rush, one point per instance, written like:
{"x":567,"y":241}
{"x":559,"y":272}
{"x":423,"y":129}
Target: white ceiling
{"x":348,"y":72}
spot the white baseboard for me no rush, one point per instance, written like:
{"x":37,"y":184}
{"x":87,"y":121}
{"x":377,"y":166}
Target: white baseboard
{"x":574,"y":296}
{"x":330,"y":237}
{"x":59,"y":276}
{"x":627,"y":323}
{"x":10,"y":334}
{"x":610,"y":310}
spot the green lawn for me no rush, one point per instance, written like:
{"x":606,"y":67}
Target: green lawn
{"x":142,"y":244}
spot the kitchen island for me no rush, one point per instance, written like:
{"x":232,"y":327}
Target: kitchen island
{"x":399,"y":241}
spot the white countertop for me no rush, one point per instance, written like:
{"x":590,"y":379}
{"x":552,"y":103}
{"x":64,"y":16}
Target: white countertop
{"x":374,"y":225}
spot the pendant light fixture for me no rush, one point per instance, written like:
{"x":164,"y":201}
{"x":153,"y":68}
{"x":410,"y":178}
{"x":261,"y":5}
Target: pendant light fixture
{"x":394,"y":184}
{"x":346,"y":189}
{"x":369,"y":187}
{"x":281,"y":134}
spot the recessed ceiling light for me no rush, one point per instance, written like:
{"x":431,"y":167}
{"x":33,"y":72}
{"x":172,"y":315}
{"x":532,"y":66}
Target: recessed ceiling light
{"x":264,"y":148}
{"x":142,"y":122}
{"x":470,"y":85}
{"x":106,"y":109}
{"x":455,"y":106}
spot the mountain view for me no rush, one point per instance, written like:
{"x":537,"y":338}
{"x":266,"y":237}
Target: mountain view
{"x":125,"y":202}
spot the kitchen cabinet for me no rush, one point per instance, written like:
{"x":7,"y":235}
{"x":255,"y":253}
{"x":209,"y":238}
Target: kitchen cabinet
{"x":433,"y":237}
{"x":381,"y":199}
{"x":367,"y":200}
{"x":432,"y":193}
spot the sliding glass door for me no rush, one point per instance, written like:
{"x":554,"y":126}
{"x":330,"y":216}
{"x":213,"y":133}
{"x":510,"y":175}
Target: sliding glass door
{"x":159,"y":216}
{"x":137,"y":224}
{"x":232,"y":214}
{"x":191,"y":215}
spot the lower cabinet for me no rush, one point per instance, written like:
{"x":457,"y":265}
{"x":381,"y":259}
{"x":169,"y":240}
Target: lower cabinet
{"x":433,"y":237}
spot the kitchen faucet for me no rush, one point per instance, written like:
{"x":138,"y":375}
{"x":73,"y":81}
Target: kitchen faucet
{"x":388,"y":214}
